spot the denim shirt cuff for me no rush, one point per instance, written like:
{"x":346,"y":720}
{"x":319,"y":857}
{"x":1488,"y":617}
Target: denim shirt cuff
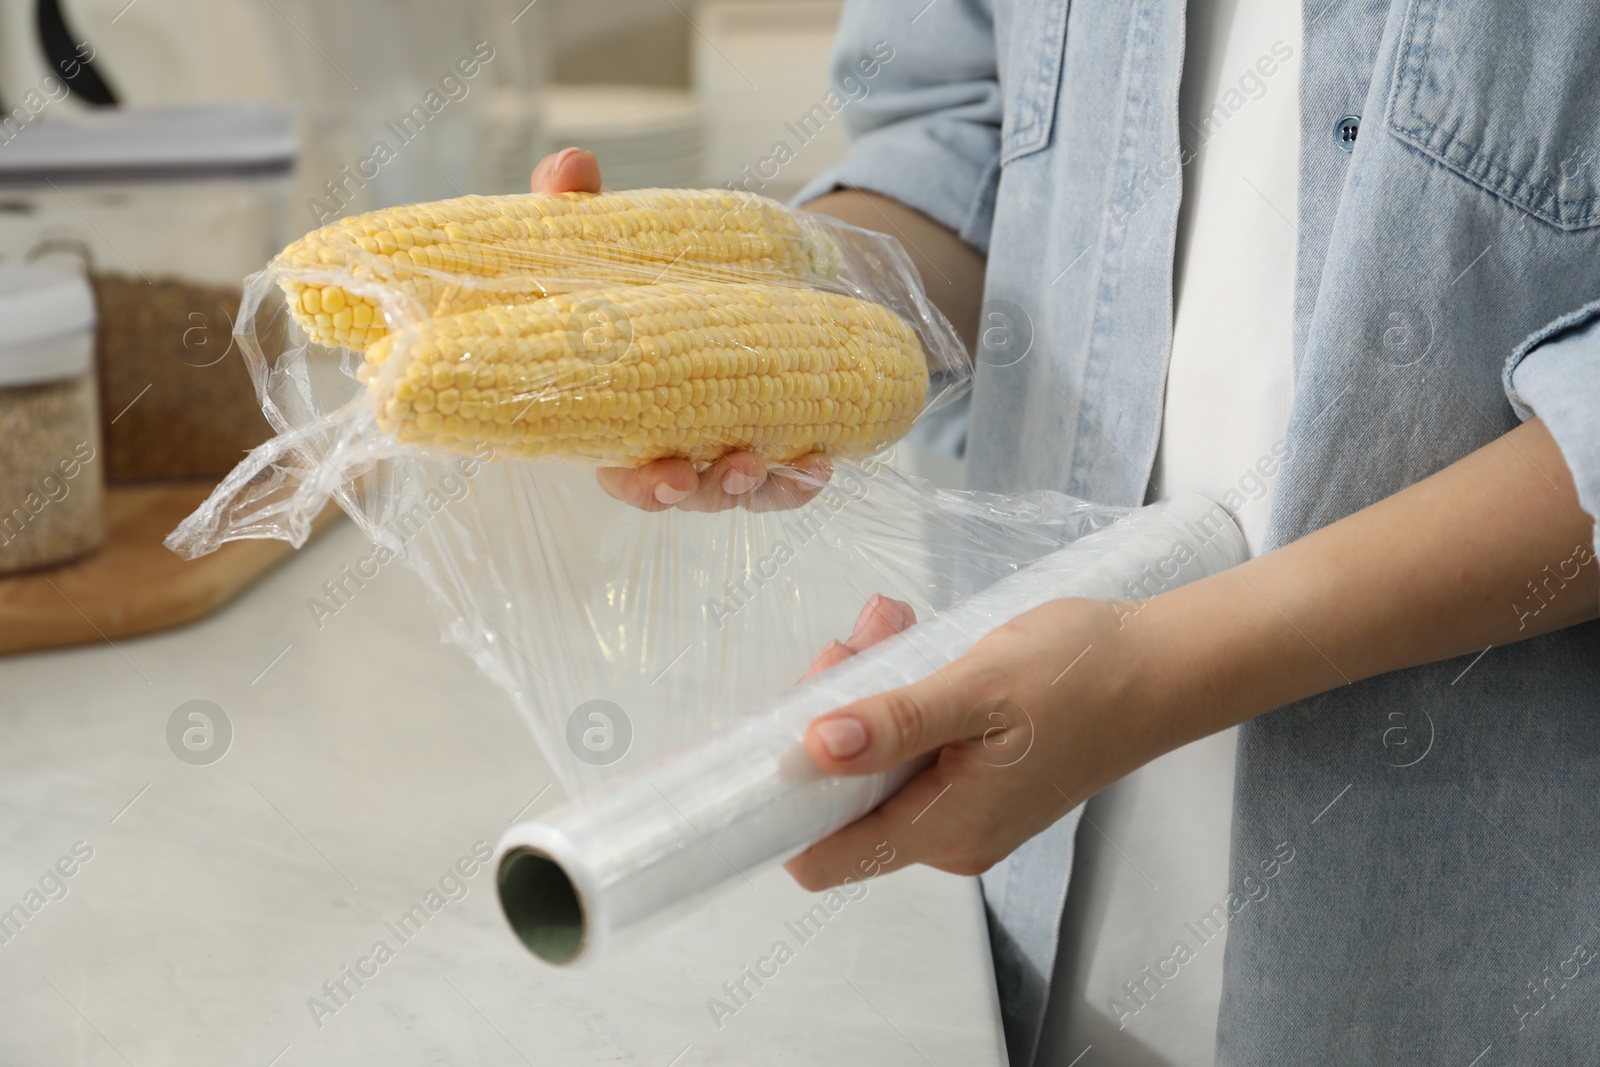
{"x":1555,"y":375}
{"x":906,"y":163}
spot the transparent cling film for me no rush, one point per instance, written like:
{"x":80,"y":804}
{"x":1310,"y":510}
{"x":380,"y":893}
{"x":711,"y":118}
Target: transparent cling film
{"x":453,"y":375}
{"x":601,"y":329}
{"x":659,"y":841}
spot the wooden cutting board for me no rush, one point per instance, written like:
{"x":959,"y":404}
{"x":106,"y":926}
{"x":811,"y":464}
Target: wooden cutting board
{"x":134,"y":584}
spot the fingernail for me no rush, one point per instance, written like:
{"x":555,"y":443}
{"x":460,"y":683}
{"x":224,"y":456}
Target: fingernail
{"x":737,"y":483}
{"x":668,"y":495}
{"x":843,"y":737}
{"x":866,"y":611}
{"x":564,"y":155}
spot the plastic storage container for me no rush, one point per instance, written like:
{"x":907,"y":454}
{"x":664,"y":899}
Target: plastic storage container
{"x":393,"y":97}
{"x":171,"y":207}
{"x":50,"y":464}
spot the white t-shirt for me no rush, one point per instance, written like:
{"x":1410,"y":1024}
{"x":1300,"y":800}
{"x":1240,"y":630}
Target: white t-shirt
{"x":1153,"y":851}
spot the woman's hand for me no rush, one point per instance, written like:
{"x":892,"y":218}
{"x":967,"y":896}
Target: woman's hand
{"x":881,"y":618}
{"x":1064,"y":700}
{"x":571,"y":170}
{"x":738,"y":478}
{"x":1040,"y":714}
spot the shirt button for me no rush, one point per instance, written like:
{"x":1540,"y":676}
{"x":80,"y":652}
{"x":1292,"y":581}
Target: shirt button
{"x":1344,"y":132}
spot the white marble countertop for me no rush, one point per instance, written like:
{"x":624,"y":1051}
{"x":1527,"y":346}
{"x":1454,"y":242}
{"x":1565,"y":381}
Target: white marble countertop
{"x":366,"y":759}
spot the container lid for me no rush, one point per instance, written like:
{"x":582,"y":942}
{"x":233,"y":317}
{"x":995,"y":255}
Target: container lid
{"x":41,"y":303}
{"x":180,"y":142}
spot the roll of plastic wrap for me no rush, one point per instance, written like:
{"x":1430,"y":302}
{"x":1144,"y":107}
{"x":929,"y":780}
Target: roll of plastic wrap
{"x":648,"y":847}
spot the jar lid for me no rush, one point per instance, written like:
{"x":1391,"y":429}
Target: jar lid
{"x":41,"y":303}
{"x":187,"y":142}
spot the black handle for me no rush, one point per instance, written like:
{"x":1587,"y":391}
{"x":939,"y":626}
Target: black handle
{"x":71,"y":57}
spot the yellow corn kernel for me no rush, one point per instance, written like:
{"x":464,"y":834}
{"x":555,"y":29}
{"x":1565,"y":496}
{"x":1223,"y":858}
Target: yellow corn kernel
{"x":860,"y":367}
{"x":475,"y":252}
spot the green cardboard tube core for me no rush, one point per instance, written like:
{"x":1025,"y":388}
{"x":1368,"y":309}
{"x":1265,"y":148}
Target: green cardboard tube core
{"x":542,"y":906}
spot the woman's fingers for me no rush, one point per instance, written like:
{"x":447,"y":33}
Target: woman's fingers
{"x":792,"y":486}
{"x":653,"y":487}
{"x":674,"y":483}
{"x":738,"y":479}
{"x":832,"y":654}
{"x":885,"y":731}
{"x":880,"y":618}
{"x":727,"y":483}
{"x":882,"y":732}
{"x":571,"y":170}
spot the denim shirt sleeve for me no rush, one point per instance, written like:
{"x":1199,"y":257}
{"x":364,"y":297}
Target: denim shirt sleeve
{"x":1555,"y":375}
{"x":926,"y":126}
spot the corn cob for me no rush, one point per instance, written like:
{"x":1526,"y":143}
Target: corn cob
{"x":627,"y":375}
{"x":459,"y":255}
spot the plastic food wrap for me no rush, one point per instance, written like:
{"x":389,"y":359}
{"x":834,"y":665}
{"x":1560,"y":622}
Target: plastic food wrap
{"x":634,"y":632}
{"x":600,"y":329}
{"x":658,"y":842}
{"x":452,"y":374}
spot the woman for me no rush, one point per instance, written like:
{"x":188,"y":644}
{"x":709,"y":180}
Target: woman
{"x":1337,"y":268}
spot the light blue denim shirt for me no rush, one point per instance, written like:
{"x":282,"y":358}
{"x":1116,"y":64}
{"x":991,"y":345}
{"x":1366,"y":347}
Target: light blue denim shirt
{"x":1446,"y":820}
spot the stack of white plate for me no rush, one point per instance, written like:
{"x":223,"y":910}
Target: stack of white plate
{"x":644,"y":137}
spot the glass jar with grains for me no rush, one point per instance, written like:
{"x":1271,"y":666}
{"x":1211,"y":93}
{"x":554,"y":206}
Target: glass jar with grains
{"x":50,"y":478}
{"x":171,"y":206}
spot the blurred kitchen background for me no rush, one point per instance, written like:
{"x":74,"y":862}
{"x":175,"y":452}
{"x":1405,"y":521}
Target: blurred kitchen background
{"x":669,"y":92}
